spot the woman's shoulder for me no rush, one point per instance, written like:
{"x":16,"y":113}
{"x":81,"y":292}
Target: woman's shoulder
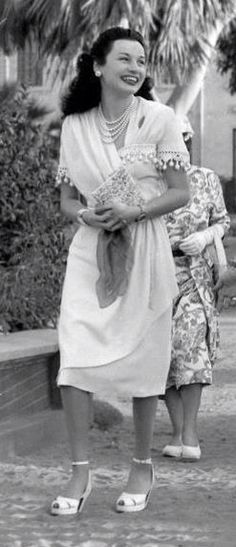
{"x":68,"y":121}
{"x":156,"y":108}
{"x":206,"y":176}
{"x":75,"y":119}
{"x":206,"y":172}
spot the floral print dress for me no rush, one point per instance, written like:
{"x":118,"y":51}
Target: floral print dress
{"x":195,"y":333}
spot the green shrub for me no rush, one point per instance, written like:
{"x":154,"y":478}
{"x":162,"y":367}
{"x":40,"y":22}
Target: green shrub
{"x":33,"y":246}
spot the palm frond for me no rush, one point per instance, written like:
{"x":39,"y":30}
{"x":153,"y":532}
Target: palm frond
{"x":176,"y":29}
{"x":181,"y":39}
{"x":226,"y":52}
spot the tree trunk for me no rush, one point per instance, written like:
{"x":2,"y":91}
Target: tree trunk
{"x":183,"y":96}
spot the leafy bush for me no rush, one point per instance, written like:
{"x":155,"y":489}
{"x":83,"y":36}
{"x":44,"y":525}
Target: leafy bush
{"x":33,"y":243}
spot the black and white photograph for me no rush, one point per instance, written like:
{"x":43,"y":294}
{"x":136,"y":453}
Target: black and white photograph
{"x":117,"y":273}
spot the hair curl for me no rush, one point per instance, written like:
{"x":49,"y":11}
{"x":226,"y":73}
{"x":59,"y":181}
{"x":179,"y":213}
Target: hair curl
{"x":84,"y":92}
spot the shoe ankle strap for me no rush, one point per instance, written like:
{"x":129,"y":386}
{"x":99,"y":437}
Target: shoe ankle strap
{"x":148,"y":460}
{"x":85,"y":462}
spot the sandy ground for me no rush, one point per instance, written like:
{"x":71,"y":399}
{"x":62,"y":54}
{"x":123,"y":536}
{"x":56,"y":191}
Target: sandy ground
{"x":192,"y":504}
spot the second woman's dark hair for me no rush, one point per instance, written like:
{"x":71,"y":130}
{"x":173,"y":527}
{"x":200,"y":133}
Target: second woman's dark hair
{"x":85,"y":89}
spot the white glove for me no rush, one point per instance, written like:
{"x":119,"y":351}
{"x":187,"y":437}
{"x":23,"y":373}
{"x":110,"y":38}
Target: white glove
{"x":196,"y":242}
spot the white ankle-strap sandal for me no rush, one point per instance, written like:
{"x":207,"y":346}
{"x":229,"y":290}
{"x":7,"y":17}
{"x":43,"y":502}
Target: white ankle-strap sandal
{"x":71,"y":506}
{"x":131,"y":503}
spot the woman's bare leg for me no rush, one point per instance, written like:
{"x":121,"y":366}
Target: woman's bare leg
{"x":77,"y":406}
{"x":144,"y":412}
{"x":191,"y":399}
{"x":175,"y":409}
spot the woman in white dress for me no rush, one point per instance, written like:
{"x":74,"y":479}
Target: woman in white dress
{"x":123,"y":156}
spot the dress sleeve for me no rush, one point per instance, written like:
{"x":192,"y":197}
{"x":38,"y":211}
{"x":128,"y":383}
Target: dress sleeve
{"x":171,"y":150}
{"x":62,"y":175}
{"x":218,"y":212}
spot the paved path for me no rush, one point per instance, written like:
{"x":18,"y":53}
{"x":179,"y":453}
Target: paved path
{"x":192,"y":505}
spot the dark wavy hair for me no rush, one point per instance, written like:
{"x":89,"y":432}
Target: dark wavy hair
{"x":84,"y":92}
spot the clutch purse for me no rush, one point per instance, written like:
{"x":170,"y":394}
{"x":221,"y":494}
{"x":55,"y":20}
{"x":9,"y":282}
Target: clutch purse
{"x":115,"y":254}
{"x":119,"y":186}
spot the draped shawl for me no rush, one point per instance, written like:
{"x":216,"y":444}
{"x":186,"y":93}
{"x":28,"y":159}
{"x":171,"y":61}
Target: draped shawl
{"x":153,"y":140}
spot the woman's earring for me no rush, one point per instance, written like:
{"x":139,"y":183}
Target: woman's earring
{"x":98,"y":73}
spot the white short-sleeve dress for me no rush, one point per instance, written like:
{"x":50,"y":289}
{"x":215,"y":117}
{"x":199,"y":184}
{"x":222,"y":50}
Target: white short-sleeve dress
{"x":123,"y":344}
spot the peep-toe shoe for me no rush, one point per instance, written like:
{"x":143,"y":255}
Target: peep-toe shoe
{"x":71,"y":506}
{"x":131,"y":503}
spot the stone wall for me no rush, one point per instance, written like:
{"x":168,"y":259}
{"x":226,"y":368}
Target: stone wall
{"x":28,"y":368}
{"x":25,"y":386}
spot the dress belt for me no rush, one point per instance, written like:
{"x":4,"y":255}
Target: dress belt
{"x":177,"y":252}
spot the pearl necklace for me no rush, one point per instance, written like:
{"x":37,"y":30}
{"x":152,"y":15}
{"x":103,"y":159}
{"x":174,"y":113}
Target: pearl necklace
{"x":111,"y":130}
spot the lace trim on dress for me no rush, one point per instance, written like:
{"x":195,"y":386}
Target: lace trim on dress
{"x":62,"y":177}
{"x":169,"y":158}
{"x":136,"y":152}
{"x":150,"y":153}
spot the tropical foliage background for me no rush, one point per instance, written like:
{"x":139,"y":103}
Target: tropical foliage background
{"x":227,"y":54}
{"x":178,"y":31}
{"x":33,"y":233}
{"x":182,"y":34}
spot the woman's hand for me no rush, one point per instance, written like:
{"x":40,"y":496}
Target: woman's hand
{"x":195,"y":243}
{"x":111,"y":217}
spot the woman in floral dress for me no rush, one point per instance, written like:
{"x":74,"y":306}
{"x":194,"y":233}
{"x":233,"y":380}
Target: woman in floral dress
{"x":193,"y":231}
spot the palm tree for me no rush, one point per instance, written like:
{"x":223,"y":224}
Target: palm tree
{"x":182,"y":34}
{"x":226,"y":58}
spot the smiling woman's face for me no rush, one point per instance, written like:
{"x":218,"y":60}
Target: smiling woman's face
{"x":125,"y":68}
